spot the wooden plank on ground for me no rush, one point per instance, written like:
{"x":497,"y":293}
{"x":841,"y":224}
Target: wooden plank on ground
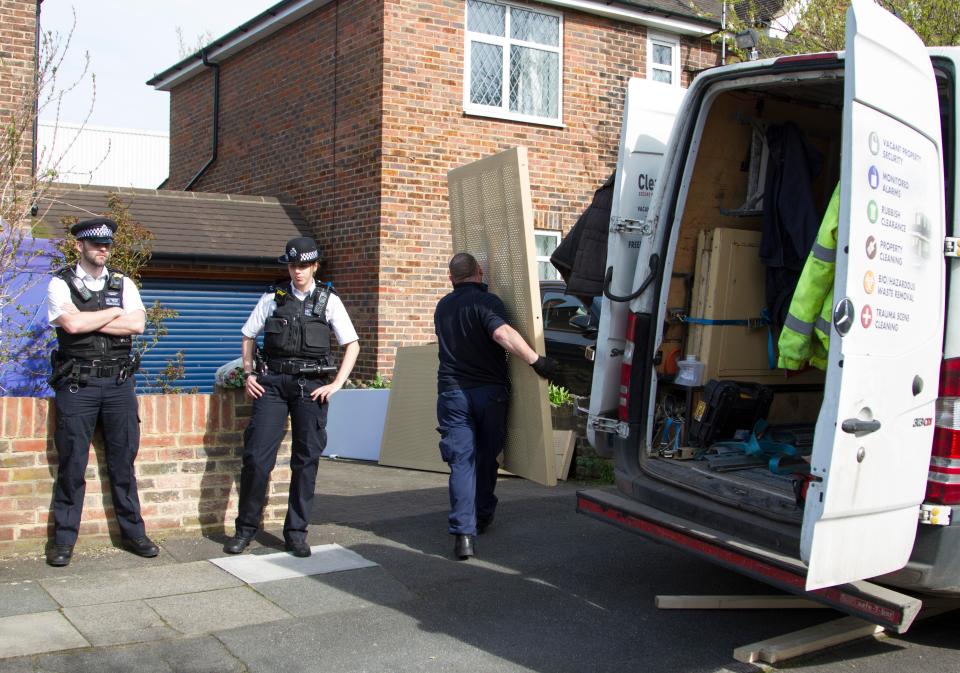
{"x":822,"y":636}
{"x":807,"y":640}
{"x":763,"y":602}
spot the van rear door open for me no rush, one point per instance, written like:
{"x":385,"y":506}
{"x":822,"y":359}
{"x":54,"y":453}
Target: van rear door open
{"x":648,"y":113}
{"x":872,"y":445}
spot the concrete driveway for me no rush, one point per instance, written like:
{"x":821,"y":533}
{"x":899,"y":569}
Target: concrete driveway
{"x":550,"y":591}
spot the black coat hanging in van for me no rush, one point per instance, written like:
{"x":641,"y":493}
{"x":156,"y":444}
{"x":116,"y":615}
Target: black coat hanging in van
{"x":581,"y":257}
{"x":790,"y":216}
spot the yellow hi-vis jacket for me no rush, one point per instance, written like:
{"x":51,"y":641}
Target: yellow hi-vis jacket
{"x":805,"y":337}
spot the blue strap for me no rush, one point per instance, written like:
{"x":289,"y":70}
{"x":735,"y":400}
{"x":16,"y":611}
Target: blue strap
{"x":753,"y":323}
{"x":771,"y":350}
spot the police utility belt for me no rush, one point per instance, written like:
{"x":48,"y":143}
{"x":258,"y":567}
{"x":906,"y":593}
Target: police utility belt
{"x":78,"y":372}
{"x":301,"y":367}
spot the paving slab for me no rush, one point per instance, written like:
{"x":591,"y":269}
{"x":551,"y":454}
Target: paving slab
{"x":119,"y":623}
{"x":20,"y":598}
{"x":116,"y":586}
{"x":39,"y":632}
{"x":326,"y":558}
{"x":210,"y":611}
{"x":321,"y":594}
{"x":186,"y":655}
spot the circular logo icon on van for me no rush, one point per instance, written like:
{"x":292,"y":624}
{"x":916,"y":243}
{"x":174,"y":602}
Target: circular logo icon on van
{"x":869,"y":282}
{"x":874,"y":141}
{"x":843,"y":316}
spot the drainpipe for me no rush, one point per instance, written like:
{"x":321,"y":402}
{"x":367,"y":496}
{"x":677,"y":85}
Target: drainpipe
{"x":215,"y":121}
{"x":36,"y":75}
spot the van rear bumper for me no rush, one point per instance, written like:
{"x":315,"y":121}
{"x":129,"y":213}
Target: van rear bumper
{"x":866,"y":600}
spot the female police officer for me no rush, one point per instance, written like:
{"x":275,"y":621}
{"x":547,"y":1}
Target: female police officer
{"x":296,"y":320}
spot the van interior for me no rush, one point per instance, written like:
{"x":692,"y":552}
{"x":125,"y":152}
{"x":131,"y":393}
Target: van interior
{"x":731,"y":433}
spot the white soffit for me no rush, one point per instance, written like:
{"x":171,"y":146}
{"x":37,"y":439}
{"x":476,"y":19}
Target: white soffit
{"x":677,"y":25}
{"x":491,"y":217}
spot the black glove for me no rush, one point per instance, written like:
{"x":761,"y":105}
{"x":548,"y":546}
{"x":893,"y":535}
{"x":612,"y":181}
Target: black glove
{"x":545,"y":367}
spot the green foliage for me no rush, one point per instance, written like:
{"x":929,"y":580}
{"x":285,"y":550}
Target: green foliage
{"x":594,"y":468}
{"x":378,"y":382}
{"x":559,"y":396}
{"x":131,"y":251}
{"x":821,"y":25}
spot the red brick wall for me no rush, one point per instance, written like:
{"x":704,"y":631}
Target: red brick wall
{"x":18,"y":25}
{"x":300,"y":117}
{"x":426,"y":133}
{"x":187,"y":470}
{"x":381,"y":216}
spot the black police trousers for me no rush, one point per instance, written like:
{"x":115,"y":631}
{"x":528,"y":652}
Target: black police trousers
{"x":115,"y":406}
{"x":282,"y":395}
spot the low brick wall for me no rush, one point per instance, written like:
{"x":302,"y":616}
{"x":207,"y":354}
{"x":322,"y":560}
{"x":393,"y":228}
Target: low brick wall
{"x":188,"y":470}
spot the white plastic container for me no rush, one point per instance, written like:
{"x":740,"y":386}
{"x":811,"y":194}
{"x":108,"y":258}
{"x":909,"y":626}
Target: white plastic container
{"x":689,"y":372}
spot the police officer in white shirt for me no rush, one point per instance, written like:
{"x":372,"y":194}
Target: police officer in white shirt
{"x":298,"y":379}
{"x":95,"y":311}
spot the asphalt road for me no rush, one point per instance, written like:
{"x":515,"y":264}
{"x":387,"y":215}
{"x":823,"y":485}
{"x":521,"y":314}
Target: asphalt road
{"x":550,"y":591}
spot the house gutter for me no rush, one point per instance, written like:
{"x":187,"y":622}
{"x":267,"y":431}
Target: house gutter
{"x":215,"y":122}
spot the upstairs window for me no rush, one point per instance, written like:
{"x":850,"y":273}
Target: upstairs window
{"x":513,"y":62}
{"x":663,"y":59}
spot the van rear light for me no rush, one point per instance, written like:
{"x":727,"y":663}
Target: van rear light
{"x":626,"y":369}
{"x":943,"y":480}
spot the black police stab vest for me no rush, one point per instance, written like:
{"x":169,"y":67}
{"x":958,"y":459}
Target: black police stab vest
{"x":93,"y":345}
{"x":298,"y":329}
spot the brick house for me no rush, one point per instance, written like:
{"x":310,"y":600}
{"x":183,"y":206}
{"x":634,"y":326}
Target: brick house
{"x":356,"y":109}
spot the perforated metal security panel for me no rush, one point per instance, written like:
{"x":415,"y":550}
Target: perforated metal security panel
{"x":410,"y":437}
{"x":491,"y":217}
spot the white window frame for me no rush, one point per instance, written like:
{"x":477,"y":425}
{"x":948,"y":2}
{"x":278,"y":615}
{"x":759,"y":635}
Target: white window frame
{"x":548,"y":233}
{"x":503,"y":111}
{"x":664,"y":41}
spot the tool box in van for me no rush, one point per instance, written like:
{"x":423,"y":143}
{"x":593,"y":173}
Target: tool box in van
{"x":868,"y":515}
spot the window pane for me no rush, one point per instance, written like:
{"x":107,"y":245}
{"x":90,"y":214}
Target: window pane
{"x":484,"y":17}
{"x":486,"y":74}
{"x":545,"y":245}
{"x":534,"y":82}
{"x":546,"y":271}
{"x":662,"y":54}
{"x":663,"y":76}
{"x":534,"y":27}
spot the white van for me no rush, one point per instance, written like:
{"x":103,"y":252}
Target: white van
{"x":880,"y":426}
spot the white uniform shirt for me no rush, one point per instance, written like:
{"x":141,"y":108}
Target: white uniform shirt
{"x":58,"y":293}
{"x":335,"y":315}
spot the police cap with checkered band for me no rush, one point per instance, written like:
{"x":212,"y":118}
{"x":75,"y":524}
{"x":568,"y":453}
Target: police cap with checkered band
{"x":95,"y":230}
{"x":300,"y":250}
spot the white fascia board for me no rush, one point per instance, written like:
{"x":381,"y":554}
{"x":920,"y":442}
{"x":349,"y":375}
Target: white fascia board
{"x":222,"y":50}
{"x":667,"y":24}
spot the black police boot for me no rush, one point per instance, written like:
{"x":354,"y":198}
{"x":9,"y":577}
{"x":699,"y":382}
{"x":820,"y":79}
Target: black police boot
{"x":59,"y":555}
{"x":300,"y":548}
{"x":141,"y":546}
{"x":237,"y":544}
{"x":463,"y":547}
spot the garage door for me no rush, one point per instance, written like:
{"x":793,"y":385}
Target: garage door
{"x":207,"y":328}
